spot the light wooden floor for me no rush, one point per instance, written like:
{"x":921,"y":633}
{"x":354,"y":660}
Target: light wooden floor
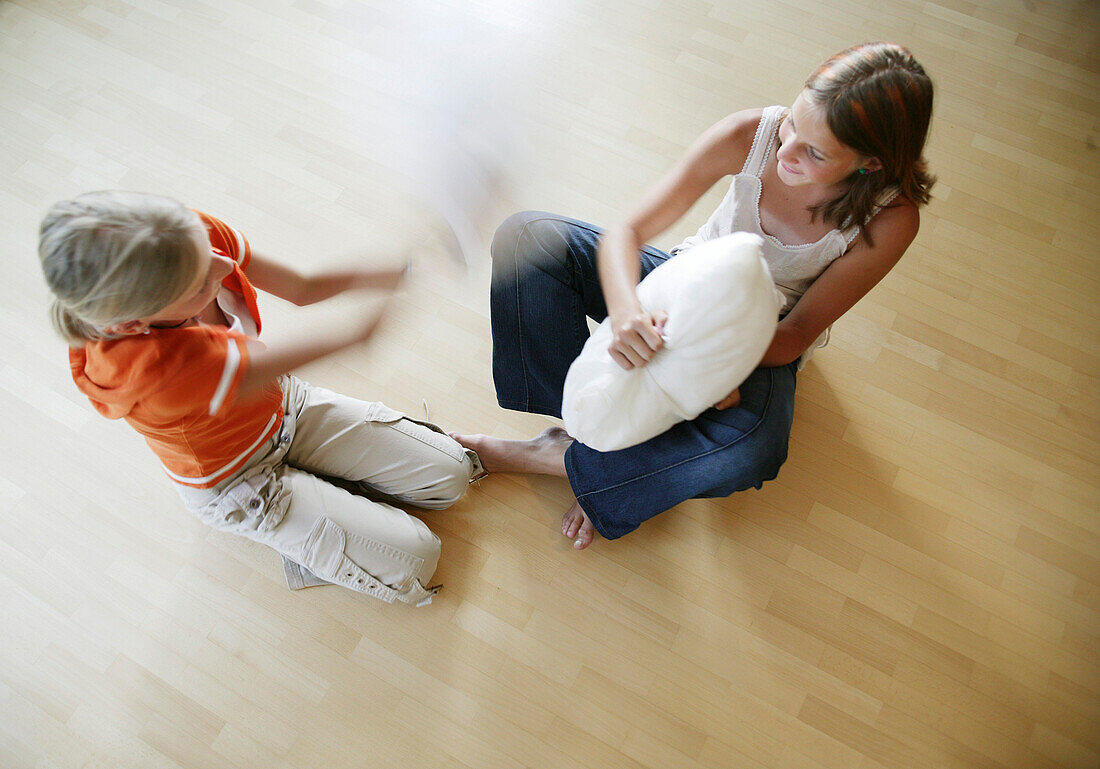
{"x":919,"y":588}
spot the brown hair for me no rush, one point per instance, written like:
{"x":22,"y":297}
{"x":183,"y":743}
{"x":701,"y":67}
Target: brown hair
{"x":878,"y":102}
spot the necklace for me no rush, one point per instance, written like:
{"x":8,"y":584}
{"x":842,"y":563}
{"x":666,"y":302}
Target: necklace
{"x":178,"y":325}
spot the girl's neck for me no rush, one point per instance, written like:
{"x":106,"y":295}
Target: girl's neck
{"x":181,"y":324}
{"x":212,"y":315}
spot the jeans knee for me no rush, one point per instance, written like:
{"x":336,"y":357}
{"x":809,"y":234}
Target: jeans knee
{"x":527,"y":238}
{"x":508,"y":233}
{"x":512,"y":226}
{"x":751,"y":471}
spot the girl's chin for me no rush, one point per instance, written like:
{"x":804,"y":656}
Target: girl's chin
{"x":791,"y":180}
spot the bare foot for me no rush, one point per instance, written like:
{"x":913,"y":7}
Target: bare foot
{"x":543,"y":454}
{"x":576,"y":526}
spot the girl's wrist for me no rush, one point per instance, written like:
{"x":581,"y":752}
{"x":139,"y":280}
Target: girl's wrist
{"x":623,"y":307}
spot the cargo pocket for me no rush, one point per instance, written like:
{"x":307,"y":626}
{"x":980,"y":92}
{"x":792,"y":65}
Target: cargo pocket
{"x":325,"y":554}
{"x":255,"y":503}
{"x":434,"y":436}
{"x":437,"y":438}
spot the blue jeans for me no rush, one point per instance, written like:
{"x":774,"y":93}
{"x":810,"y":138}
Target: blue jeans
{"x":544,"y":284}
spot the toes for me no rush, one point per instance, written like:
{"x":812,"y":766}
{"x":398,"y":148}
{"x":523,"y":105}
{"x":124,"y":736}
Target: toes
{"x":460,"y":437}
{"x":584,"y":535}
{"x":576,"y":526}
{"x":571,"y":522}
{"x":469,"y":441}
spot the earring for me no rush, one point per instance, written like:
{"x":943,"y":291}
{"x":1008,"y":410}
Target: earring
{"x":863,"y":172}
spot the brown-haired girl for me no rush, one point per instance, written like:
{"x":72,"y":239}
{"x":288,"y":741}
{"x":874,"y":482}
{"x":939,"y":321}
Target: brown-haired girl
{"x":832,"y":184}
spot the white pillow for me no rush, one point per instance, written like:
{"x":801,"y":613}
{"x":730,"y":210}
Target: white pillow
{"x":722,"y":308}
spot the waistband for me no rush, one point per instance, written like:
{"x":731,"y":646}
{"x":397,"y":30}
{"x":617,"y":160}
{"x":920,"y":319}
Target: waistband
{"x":269,"y":451}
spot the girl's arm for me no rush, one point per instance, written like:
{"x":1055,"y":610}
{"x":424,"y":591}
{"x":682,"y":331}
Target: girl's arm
{"x":720,"y":151}
{"x":844,"y":283}
{"x":287,"y":283}
{"x":265,"y":363}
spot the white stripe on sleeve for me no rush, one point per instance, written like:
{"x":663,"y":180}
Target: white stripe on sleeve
{"x":240,"y":246}
{"x":232,"y":364}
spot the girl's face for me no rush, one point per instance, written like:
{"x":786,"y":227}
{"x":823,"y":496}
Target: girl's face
{"x":212,"y":269}
{"x":809,"y":153}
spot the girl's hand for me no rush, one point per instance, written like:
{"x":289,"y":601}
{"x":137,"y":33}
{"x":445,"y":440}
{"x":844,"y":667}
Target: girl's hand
{"x":382,"y":279}
{"x":305,"y":289}
{"x":269,"y":361}
{"x":387,"y":280}
{"x":731,"y":400}
{"x":364,"y":325}
{"x":636,"y":338}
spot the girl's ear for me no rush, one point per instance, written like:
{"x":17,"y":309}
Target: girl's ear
{"x":127,"y":328}
{"x":873,"y":164}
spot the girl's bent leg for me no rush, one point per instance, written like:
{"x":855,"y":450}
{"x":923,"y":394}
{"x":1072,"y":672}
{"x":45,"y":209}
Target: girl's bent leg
{"x":349,"y":540}
{"x":334,"y":535}
{"x":545,"y":283}
{"x":715,"y":455}
{"x":383,"y":453}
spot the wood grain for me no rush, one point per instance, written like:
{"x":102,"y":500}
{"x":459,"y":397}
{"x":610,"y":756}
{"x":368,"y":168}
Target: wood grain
{"x":920,"y":587}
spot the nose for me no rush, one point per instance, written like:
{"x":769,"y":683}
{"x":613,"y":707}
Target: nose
{"x":787,"y":154}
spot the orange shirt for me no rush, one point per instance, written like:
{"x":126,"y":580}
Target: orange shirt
{"x":178,"y":387}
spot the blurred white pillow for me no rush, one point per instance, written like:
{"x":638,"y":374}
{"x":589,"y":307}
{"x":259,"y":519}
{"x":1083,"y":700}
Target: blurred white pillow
{"x":722,"y":308}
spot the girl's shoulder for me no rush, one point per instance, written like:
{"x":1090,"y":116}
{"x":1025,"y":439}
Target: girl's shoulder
{"x":169,"y":372}
{"x":731,"y":138}
{"x":899,"y":219}
{"x":739,"y":128}
{"x":145,"y":361}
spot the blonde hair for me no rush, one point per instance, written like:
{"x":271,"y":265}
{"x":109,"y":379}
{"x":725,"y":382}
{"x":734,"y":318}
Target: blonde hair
{"x":110,"y":257}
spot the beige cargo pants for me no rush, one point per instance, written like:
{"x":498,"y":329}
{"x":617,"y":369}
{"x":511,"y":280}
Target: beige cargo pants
{"x":293,"y":494}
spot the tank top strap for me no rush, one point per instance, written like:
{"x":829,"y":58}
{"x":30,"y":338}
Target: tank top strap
{"x":885,"y":198}
{"x":763,"y":140}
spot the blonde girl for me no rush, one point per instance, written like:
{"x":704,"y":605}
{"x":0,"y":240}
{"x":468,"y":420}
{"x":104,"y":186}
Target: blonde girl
{"x":159,"y":306}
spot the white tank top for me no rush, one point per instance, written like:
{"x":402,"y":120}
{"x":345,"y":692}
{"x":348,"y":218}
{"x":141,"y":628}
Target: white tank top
{"x":793,"y":267}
